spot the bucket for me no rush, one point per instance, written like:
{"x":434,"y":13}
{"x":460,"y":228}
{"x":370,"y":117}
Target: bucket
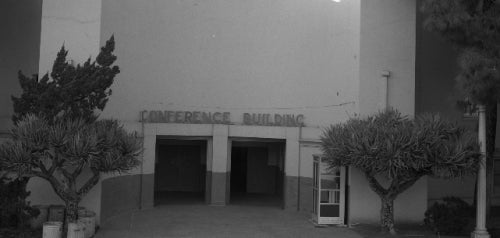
{"x":56,"y":213}
{"x":75,"y":230}
{"x":37,"y":222}
{"x":52,"y":229}
{"x":87,"y":220}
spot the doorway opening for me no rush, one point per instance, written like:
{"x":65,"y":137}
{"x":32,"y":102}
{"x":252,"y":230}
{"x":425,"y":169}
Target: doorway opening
{"x":257,"y":173}
{"x":180,"y":170}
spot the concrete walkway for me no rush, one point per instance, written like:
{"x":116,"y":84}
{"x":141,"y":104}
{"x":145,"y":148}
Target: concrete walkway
{"x":208,"y":221}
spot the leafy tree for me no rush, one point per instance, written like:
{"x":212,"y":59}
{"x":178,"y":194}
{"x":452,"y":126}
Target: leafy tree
{"x":15,"y":211}
{"x":70,"y":91}
{"x":473,"y":27}
{"x":391,"y":149}
{"x":59,"y":150}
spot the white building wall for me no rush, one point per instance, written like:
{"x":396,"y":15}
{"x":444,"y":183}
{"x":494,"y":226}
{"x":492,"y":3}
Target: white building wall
{"x":387,"y":43}
{"x":245,"y":56}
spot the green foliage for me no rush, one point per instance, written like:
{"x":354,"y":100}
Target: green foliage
{"x":449,"y":217}
{"x":60,"y":150}
{"x":394,"y":146}
{"x":57,"y":135}
{"x":72,"y":91}
{"x":38,"y":146}
{"x":15,"y":212}
{"x":474,"y":27}
{"x":479,"y":77}
{"x":464,"y":22}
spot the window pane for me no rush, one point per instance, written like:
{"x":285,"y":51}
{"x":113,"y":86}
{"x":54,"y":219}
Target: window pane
{"x":329,"y":211}
{"x":325,"y":197}
{"x":330,"y":182}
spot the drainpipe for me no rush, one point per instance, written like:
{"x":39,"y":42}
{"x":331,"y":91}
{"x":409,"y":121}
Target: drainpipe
{"x":385,"y":89}
{"x":480,"y":230}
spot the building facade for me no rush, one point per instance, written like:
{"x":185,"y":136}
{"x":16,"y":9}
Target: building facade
{"x":230,"y":97}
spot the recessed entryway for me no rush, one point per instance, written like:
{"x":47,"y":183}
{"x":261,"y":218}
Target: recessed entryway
{"x":257,"y":170}
{"x":180,"y":170}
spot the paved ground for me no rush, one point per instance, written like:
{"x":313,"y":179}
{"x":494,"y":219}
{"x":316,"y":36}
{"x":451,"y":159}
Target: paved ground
{"x":208,"y":221}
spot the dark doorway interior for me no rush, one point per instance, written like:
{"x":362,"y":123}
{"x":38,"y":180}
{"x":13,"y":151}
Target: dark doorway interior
{"x":180,"y":170}
{"x":239,"y":170}
{"x":257,"y":173}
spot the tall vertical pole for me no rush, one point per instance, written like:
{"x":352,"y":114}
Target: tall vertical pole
{"x":480,"y":231}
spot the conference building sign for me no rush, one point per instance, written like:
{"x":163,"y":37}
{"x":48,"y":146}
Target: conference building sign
{"x":201,"y":117}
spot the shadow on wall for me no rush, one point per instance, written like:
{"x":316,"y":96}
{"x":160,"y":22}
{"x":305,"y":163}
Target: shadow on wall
{"x":120,"y":195}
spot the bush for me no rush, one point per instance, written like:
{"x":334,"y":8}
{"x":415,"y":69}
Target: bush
{"x":15,"y":212}
{"x":449,"y":217}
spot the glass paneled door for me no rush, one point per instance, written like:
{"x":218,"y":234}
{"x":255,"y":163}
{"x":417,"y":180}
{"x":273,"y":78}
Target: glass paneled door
{"x":328,"y":193}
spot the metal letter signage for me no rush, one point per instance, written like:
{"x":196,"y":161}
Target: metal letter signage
{"x":259,"y":119}
{"x":197,"y":117}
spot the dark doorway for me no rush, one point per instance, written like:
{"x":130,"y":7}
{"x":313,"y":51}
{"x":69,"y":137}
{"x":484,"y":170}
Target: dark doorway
{"x":257,"y":173}
{"x":180,"y":170}
{"x":239,"y":170}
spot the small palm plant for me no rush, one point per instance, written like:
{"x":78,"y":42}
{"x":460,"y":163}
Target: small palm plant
{"x":60,"y":150}
{"x":401,"y":150}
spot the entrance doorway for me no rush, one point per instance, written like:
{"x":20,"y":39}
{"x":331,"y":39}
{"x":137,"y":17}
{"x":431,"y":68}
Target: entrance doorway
{"x":180,"y":170}
{"x":257,"y":171}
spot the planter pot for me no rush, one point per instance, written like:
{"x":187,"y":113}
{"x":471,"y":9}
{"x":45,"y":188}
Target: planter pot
{"x":75,"y":230}
{"x":87,"y":220}
{"x":52,"y":229}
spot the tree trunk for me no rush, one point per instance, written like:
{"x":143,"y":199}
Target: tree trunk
{"x":387,"y":214}
{"x":71,"y":211}
{"x":71,"y":215}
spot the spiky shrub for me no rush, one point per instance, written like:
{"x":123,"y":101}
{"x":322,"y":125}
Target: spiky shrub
{"x":400,"y":150}
{"x":60,"y":150}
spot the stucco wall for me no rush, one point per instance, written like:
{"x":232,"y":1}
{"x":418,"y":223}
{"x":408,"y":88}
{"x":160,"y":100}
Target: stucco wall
{"x":19,"y":49}
{"x":409,"y":207}
{"x":72,"y":23}
{"x":244,"y":56}
{"x":387,"y":43}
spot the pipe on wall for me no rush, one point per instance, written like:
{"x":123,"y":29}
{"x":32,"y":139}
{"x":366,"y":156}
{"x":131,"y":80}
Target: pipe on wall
{"x":384,"y":88}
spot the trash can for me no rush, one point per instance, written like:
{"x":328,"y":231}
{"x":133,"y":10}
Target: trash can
{"x":75,"y":230}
